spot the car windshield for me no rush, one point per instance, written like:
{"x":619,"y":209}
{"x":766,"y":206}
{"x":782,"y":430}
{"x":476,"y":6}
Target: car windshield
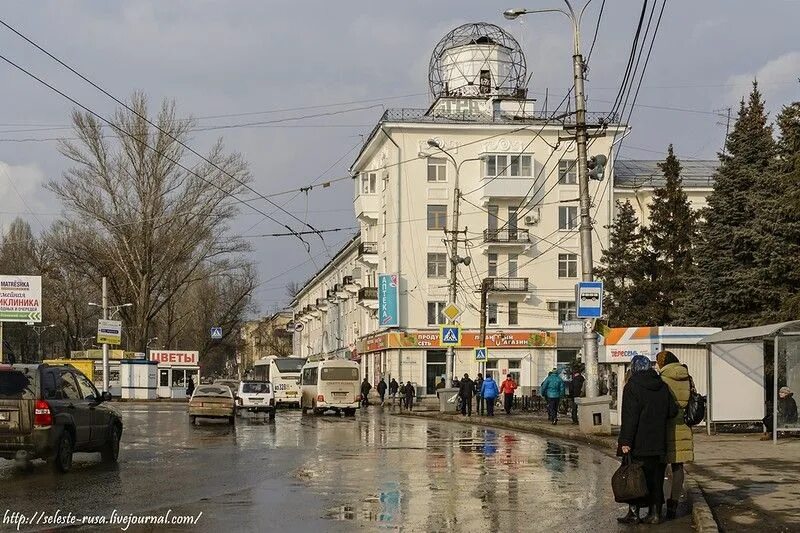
{"x":213,"y":391}
{"x":255,"y":387}
{"x":339,"y":374}
{"x":290,"y":364}
{"x":18,"y":383}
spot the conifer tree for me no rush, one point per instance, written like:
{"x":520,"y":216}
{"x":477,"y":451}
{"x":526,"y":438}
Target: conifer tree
{"x":621,"y":270}
{"x":668,"y":241}
{"x":729,"y":289}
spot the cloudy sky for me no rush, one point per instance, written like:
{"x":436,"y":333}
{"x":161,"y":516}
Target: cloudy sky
{"x":321,"y":73}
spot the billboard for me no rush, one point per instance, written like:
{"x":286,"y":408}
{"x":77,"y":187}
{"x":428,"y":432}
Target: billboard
{"x":20,"y":298}
{"x":388,"y":300}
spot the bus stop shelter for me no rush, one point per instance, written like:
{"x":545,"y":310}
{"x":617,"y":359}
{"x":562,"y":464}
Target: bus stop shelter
{"x":746,"y":369}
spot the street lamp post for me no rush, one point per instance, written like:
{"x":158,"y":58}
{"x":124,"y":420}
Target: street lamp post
{"x":454,"y":258}
{"x":39,"y":330}
{"x":105,"y":307}
{"x":587,"y":274}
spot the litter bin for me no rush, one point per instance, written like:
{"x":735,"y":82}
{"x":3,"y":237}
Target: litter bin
{"x":447,"y":400}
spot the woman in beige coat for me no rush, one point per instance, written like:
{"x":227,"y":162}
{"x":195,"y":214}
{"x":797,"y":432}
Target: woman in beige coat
{"x":680,"y":443}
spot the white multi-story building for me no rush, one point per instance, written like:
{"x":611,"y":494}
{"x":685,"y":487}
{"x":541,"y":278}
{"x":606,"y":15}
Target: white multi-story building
{"x":515,"y":167}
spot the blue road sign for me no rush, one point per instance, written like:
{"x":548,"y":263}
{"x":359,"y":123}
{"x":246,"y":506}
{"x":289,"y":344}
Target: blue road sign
{"x":589,"y":299}
{"x":216,"y":333}
{"x":481,"y":354}
{"x":450,"y":335}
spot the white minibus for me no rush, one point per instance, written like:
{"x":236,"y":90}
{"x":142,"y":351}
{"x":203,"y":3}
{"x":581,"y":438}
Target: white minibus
{"x":331,"y":384}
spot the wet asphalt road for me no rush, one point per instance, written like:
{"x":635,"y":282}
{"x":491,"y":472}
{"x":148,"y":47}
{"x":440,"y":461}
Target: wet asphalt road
{"x":305,"y":473}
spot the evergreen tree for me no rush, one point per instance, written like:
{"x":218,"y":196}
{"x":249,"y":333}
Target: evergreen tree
{"x":668,"y":241}
{"x":778,"y":221}
{"x":729,"y":289}
{"x":621,"y":270}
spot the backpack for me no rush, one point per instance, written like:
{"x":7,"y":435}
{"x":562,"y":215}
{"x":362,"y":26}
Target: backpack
{"x":695,"y":411}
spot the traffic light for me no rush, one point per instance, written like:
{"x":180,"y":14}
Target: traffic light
{"x":597,"y":167}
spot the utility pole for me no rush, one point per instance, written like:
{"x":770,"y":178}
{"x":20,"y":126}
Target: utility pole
{"x":485,"y":282}
{"x":105,"y":345}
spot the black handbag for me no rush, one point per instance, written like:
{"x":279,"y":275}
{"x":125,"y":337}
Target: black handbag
{"x":695,"y":411}
{"x":628,"y":482}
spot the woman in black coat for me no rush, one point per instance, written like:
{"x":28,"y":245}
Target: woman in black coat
{"x":646,"y":407}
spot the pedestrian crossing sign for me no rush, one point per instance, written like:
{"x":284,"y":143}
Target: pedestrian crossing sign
{"x":481,"y":354}
{"x":450,"y":335}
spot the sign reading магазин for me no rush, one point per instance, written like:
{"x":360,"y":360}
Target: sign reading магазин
{"x":175,"y":357}
{"x":20,"y":298}
{"x":388,"y":300}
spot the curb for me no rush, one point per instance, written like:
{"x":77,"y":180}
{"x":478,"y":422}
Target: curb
{"x":702,"y":517}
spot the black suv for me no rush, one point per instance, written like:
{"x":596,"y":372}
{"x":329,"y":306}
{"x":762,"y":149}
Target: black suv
{"x":50,"y":412}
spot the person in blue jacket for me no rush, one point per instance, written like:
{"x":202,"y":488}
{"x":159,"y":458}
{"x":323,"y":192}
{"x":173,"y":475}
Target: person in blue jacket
{"x":552,"y":390}
{"x":490,"y":392}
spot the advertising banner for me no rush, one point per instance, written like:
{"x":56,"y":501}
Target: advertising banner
{"x":622,"y":344}
{"x":109,"y":331}
{"x":175,"y":357}
{"x":20,"y":298}
{"x":388,"y":300}
{"x":469,"y":339}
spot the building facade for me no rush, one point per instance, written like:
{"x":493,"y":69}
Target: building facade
{"x":513,"y":166}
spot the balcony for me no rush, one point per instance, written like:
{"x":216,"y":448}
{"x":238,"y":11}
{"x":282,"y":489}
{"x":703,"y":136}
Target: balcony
{"x":368,"y":253}
{"x":367,"y":207}
{"x":351,"y":284}
{"x":368,"y":297}
{"x":508,"y":285}
{"x":512,"y":236}
{"x":322,"y":304}
{"x":505,"y":187}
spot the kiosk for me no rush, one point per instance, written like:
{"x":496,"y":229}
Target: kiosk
{"x":175,"y":367}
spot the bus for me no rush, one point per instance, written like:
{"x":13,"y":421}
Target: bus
{"x":283,"y":373}
{"x":332,"y":384}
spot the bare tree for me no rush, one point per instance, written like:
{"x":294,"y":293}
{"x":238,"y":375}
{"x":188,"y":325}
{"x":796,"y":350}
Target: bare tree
{"x":135,"y":215}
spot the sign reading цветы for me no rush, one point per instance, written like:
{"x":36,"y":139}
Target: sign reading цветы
{"x":20,"y":298}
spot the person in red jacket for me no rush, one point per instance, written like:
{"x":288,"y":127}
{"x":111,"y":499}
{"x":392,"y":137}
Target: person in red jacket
{"x":507,"y":389}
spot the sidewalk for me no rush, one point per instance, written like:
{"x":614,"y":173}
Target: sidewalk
{"x":751,"y":485}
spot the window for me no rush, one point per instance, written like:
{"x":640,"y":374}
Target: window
{"x":492,"y":265}
{"x":437,"y":169}
{"x":491,"y":369}
{"x":435,"y":316}
{"x":514,"y":166}
{"x":492,"y":314}
{"x":567,"y":217}
{"x":513,"y":261}
{"x":163,"y":377}
{"x":437,"y":217}
{"x":492,"y":223}
{"x":567,"y":265}
{"x":339,"y":374}
{"x":309,"y":376}
{"x":514,"y":369}
{"x":69,"y":388}
{"x":88,"y":392}
{"x":566,"y":310}
{"x":512,"y":222}
{"x":437,"y":265}
{"x":567,"y":172}
{"x":485,"y":86}
{"x":384,"y":222}
{"x":513,"y":314}
{"x":369,"y":183}
{"x":49,"y":389}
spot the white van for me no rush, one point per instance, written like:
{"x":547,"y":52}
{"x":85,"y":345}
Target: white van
{"x":331,"y":384}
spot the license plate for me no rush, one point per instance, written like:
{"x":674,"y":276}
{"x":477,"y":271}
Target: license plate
{"x":291,"y":393}
{"x":5,"y":415}
{"x":339,"y":394}
{"x":256,"y":400}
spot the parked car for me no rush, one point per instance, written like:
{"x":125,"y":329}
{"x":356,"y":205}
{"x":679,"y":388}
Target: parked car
{"x":50,"y":412}
{"x":256,"y":397}
{"x":212,"y":401}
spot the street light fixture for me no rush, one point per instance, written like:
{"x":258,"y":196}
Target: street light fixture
{"x":39,"y":330}
{"x":581,"y":136}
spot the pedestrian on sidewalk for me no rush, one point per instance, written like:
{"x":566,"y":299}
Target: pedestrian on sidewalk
{"x":680,"y":442}
{"x":408,"y":394}
{"x":382,"y":390}
{"x":479,"y":401}
{"x":465,"y":391}
{"x":365,"y":388}
{"x":489,"y":391}
{"x":576,"y":390}
{"x":507,"y":388}
{"x":394,"y":387}
{"x":647,"y":406}
{"x":552,"y":390}
{"x":190,"y":387}
{"x":441,"y":385}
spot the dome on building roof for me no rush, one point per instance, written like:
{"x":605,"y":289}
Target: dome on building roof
{"x":477,"y":59}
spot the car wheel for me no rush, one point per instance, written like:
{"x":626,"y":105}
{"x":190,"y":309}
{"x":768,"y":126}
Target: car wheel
{"x":110,"y":451}
{"x":349,"y":412}
{"x":231,"y":420}
{"x":193,"y":420}
{"x":62,"y":459}
{"x":272,"y":414}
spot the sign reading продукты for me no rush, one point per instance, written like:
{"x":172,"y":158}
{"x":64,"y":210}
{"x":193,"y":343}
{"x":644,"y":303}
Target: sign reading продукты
{"x":388,"y":300}
{"x":450,"y":335}
{"x":589,"y":299}
{"x":20,"y":298}
{"x":109,"y":332}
